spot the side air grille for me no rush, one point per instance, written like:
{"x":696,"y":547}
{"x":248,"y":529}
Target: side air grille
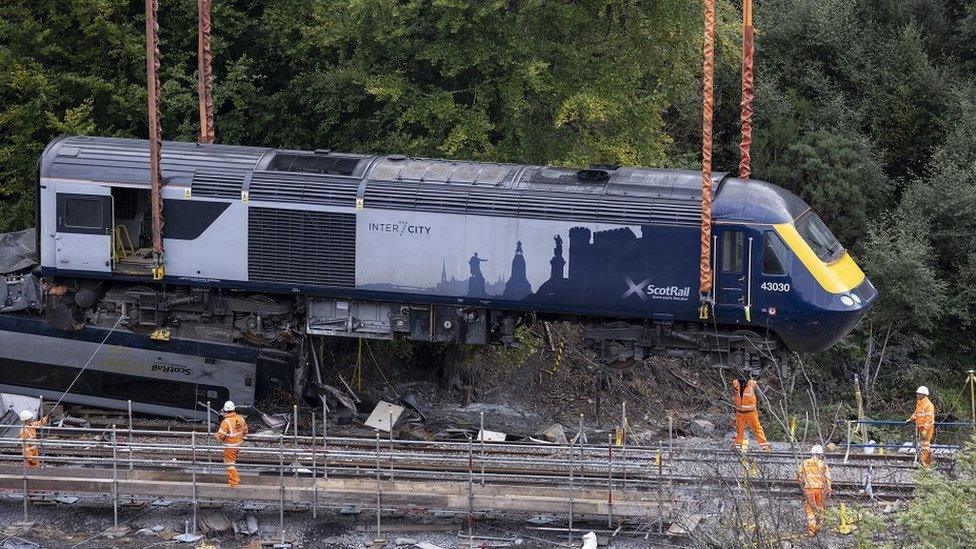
{"x":217,"y":185}
{"x":313,"y":163}
{"x":473,"y":200}
{"x":303,"y":189}
{"x":301,"y":247}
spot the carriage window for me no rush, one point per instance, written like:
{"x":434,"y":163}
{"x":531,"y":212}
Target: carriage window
{"x":774,"y":254}
{"x":732,"y":252}
{"x":83,"y":213}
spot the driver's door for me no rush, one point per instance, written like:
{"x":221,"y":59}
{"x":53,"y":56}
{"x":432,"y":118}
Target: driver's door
{"x":732,"y":273}
{"x":84,"y":229}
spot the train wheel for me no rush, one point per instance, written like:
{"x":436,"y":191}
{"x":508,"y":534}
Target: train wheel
{"x":253,"y":330}
{"x":135,"y":322}
{"x":746,"y":351}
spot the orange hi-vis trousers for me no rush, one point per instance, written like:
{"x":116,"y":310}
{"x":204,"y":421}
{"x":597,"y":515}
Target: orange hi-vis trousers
{"x":814,"y":507}
{"x":751,"y":420}
{"x":31,"y":453}
{"x":925,"y":435}
{"x":230,"y":461}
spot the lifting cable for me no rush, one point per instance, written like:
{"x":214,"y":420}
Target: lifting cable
{"x":748,"y":90}
{"x":708,"y":69}
{"x":92,"y":357}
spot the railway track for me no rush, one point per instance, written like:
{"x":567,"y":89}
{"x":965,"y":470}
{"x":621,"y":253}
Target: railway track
{"x":657,"y":469}
{"x":643,"y":488}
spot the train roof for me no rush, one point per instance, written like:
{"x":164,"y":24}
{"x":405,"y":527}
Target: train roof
{"x":607,"y":193}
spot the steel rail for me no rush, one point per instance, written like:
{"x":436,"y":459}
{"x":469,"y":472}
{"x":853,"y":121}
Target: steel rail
{"x":553,"y":469}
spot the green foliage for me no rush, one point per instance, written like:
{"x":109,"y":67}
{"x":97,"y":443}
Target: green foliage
{"x":943,"y":513}
{"x":900,"y":259}
{"x":864,"y":107}
{"x":837,"y":171}
{"x":526,"y":345}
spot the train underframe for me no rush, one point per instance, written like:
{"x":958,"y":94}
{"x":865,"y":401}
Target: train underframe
{"x":280,"y":320}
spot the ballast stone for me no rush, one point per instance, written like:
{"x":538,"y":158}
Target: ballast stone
{"x":701,"y":427}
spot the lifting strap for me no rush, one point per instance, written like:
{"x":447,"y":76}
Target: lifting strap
{"x":708,"y":68}
{"x":155,"y":135}
{"x":205,"y":72}
{"x":748,"y":90}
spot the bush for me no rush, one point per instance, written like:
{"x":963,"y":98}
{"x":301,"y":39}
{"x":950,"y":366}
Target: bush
{"x":943,"y":513}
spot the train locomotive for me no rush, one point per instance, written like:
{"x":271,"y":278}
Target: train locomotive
{"x":263,"y":246}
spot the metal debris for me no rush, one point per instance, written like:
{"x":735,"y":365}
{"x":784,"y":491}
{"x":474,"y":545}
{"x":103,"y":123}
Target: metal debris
{"x":116,"y":532}
{"x":684,"y":525}
{"x":410,"y":401}
{"x":539,"y":520}
{"x":276,"y":421}
{"x":213,"y":520}
{"x":426,"y":545}
{"x":341,"y":397}
{"x":348,"y":388}
{"x":490,"y":436}
{"x":250,"y":525}
{"x":382,"y":415}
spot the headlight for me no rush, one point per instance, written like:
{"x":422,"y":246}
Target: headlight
{"x":847,"y":300}
{"x":856,"y":298}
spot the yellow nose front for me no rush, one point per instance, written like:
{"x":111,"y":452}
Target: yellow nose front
{"x":837,"y":277}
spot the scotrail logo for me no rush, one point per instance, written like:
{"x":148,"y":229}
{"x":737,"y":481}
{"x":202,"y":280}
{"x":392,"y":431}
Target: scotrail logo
{"x":170,"y":369}
{"x":644,"y":290}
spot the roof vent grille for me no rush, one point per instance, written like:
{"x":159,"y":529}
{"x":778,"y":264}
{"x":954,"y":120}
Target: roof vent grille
{"x":313,"y":163}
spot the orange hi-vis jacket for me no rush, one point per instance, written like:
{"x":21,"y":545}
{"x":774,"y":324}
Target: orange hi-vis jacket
{"x":814,"y":474}
{"x":745,"y":399}
{"x":232,"y":430}
{"x":924,"y":415}
{"x":28,"y":431}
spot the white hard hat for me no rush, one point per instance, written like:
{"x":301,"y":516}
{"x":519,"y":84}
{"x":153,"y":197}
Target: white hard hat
{"x":229,"y":406}
{"x":589,"y":540}
{"x":26,"y":415}
{"x":816,"y":450}
{"x":923,"y":390}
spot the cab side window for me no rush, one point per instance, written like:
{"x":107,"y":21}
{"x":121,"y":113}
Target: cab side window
{"x":774,"y":254}
{"x":83,"y":213}
{"x":732,"y":252}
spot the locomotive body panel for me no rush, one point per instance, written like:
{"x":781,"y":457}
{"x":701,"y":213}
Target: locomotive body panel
{"x":539,"y":264}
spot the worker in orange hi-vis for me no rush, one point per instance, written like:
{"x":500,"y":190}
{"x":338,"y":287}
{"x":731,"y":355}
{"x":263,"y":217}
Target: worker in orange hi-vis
{"x":231,"y":434}
{"x":747,"y":414}
{"x":28,"y":434}
{"x":814,"y":478}
{"x":924,"y":418}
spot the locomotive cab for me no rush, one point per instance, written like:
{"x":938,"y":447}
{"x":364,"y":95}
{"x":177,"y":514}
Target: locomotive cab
{"x":778,"y":266}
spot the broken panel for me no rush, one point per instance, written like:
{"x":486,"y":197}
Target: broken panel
{"x":331,"y":317}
